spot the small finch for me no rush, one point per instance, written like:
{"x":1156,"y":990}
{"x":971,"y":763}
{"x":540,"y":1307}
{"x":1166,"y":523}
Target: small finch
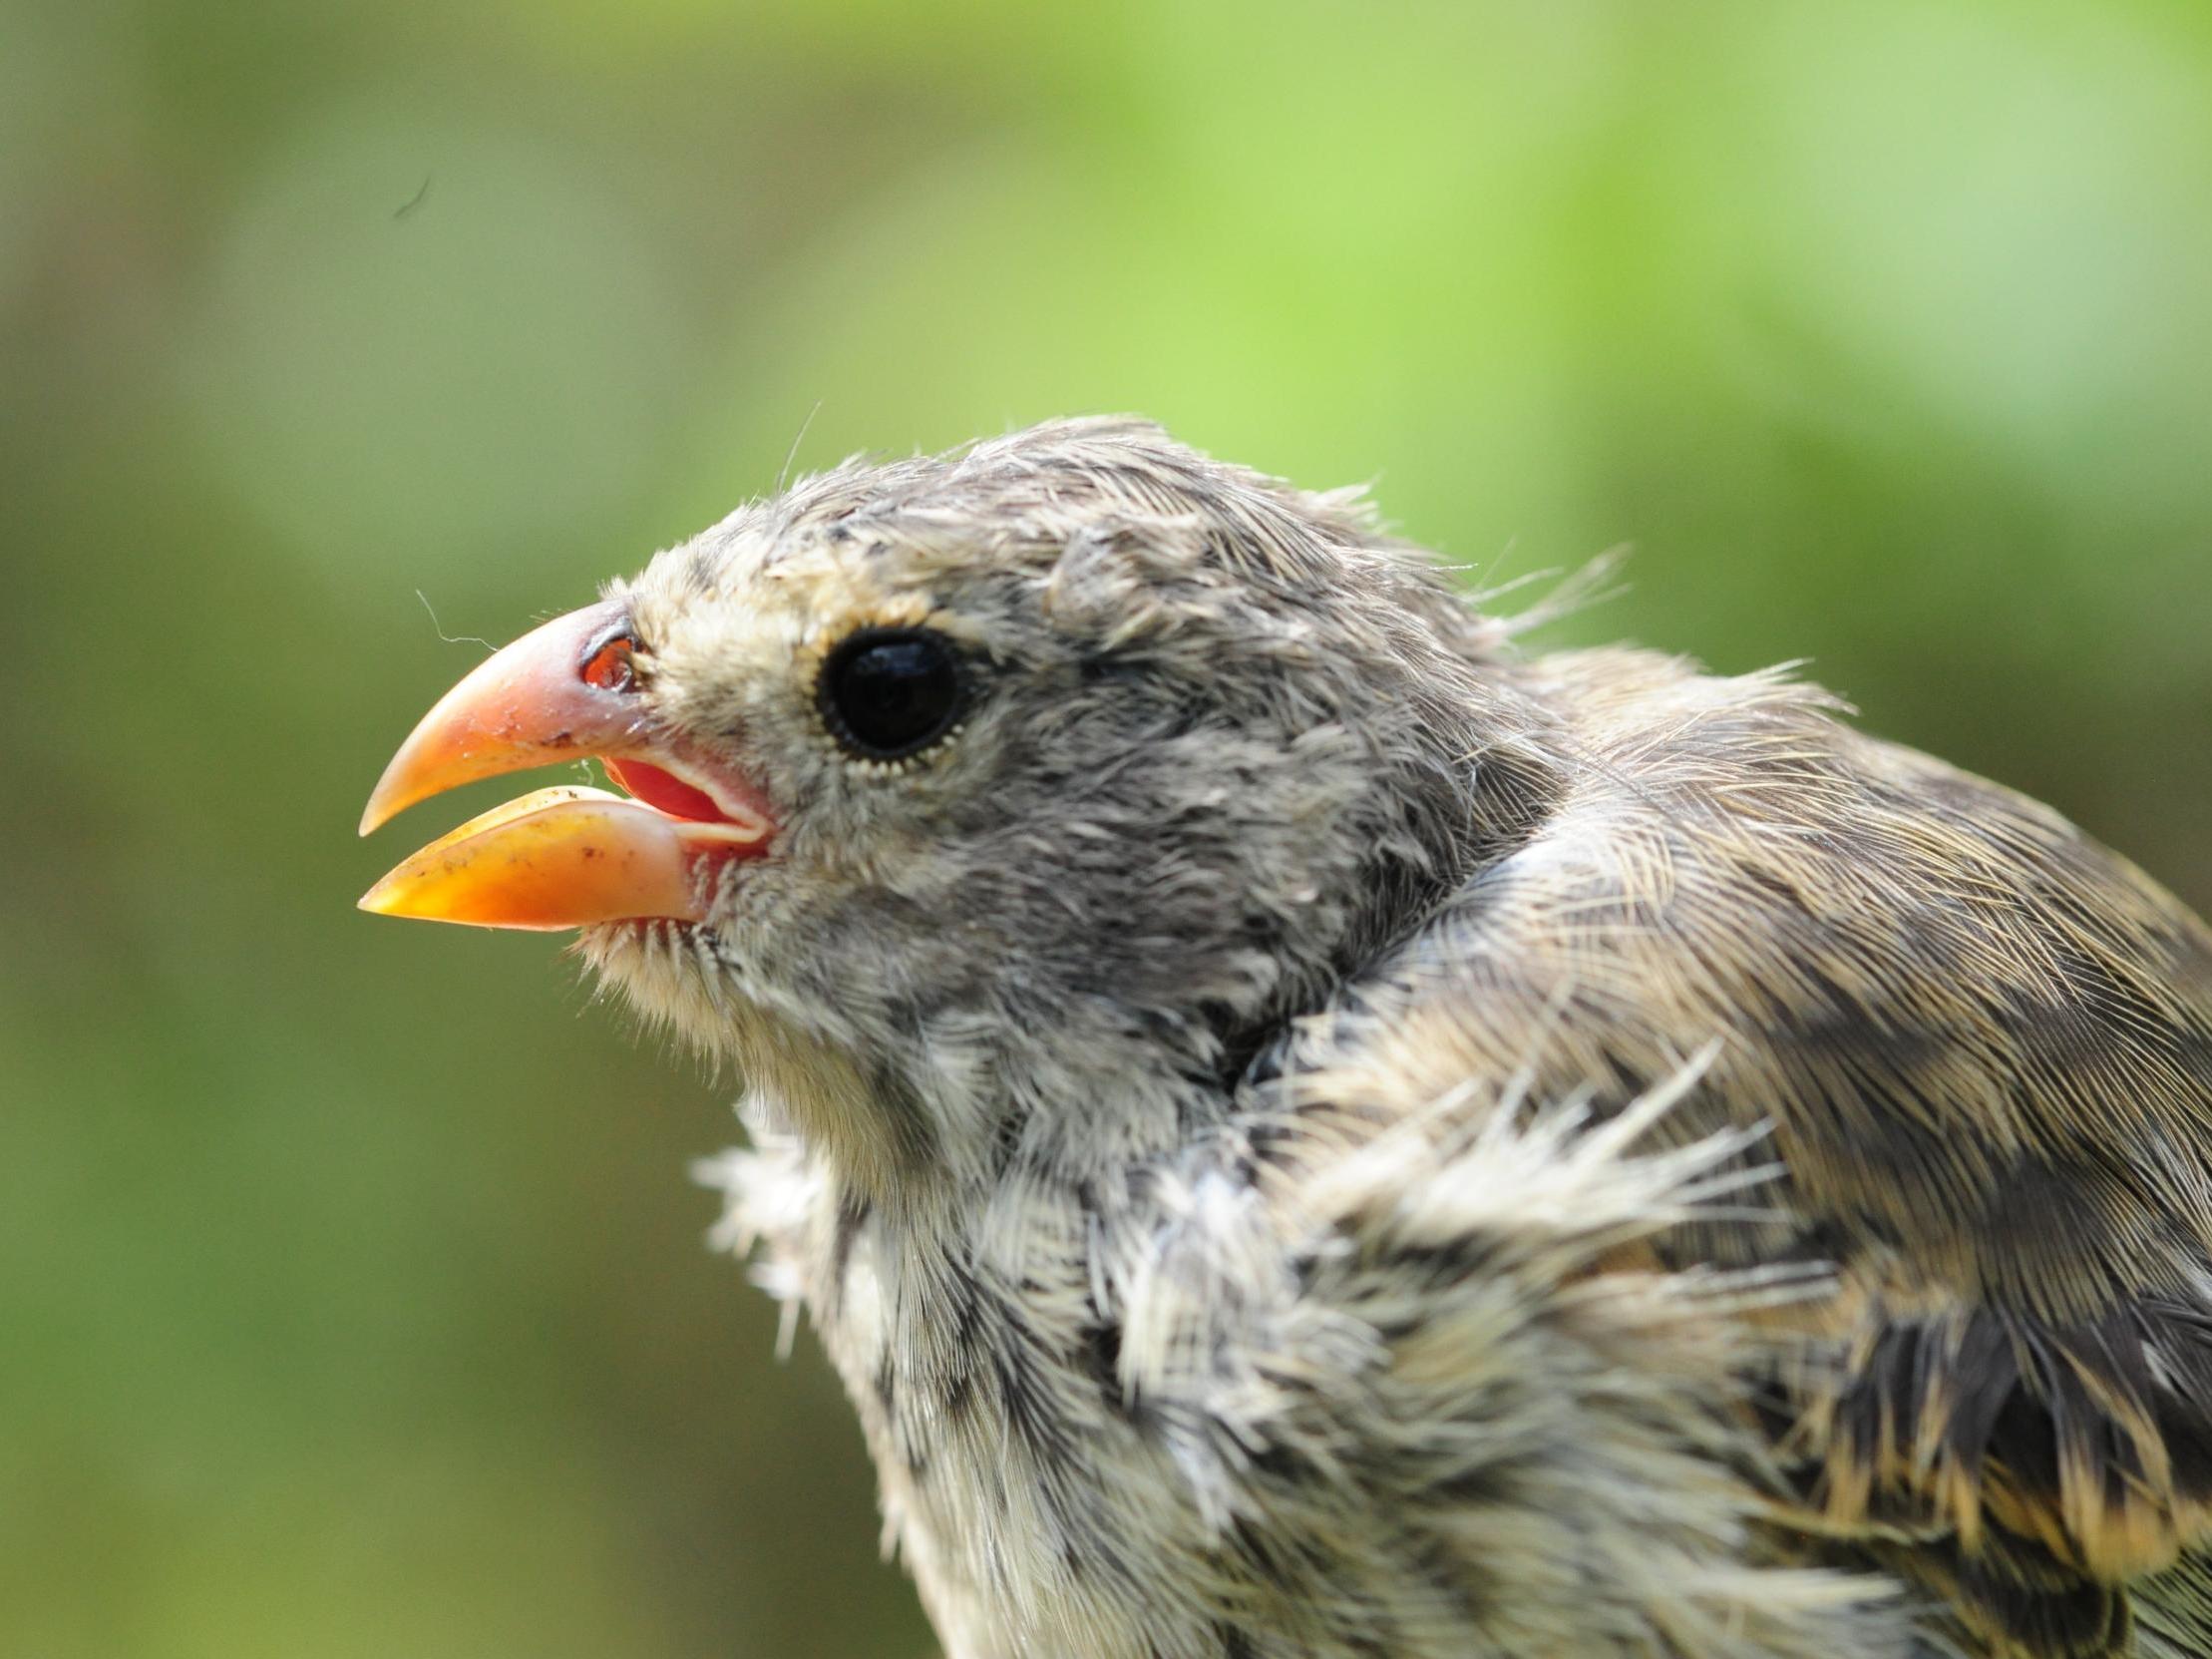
{"x":1309,"y":1131}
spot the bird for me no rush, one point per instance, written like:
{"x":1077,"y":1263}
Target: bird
{"x":1310,"y":1128}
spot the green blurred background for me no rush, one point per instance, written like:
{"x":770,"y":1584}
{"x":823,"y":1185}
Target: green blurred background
{"x":355,"y":1298}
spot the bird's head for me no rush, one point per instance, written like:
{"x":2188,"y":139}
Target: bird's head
{"x":999,"y":804}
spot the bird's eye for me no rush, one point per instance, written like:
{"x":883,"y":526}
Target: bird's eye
{"x":607,"y":663}
{"x":886,"y":694}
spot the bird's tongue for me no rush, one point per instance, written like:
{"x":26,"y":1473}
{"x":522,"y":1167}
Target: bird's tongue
{"x":664,"y":790}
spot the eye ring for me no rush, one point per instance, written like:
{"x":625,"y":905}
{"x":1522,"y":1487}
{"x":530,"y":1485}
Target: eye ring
{"x":887,"y":693}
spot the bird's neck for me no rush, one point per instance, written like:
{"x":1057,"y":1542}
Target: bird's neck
{"x":898,"y":1274}
{"x":1077,"y":1103}
{"x":1074,"y":1092}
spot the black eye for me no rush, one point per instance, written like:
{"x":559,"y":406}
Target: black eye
{"x":890,"y":692}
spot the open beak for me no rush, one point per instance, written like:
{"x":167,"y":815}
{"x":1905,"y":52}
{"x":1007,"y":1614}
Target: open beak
{"x":566,"y":856}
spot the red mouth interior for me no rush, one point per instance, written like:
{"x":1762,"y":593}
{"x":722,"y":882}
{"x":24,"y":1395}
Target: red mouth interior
{"x":664,"y":791}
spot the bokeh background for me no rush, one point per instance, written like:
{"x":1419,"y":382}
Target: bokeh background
{"x":355,"y":1300}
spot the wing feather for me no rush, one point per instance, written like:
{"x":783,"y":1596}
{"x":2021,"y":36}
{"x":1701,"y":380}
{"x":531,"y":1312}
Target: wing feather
{"x":1984,"y":1047}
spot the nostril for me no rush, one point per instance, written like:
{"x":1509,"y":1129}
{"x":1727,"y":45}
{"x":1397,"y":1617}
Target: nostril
{"x":608,"y":663}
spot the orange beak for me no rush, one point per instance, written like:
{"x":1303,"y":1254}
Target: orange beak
{"x":560,"y":858}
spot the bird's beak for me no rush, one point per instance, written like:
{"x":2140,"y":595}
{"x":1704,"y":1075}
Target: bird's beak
{"x":558,"y":857}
